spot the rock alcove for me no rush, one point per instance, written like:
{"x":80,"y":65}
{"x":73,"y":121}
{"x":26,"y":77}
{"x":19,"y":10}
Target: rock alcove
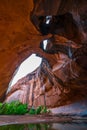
{"x":24,"y":27}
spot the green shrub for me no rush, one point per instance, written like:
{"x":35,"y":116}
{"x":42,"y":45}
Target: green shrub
{"x":44,"y":110}
{"x":17,"y":108}
{"x":1,"y":105}
{"x":32,"y":111}
{"x":38,"y":110}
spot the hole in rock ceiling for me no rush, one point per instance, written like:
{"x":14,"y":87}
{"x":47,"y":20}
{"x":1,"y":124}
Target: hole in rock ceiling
{"x":48,"y":19}
{"x":45,"y":24}
{"x":47,"y":45}
{"x":26,"y":67}
{"x":45,"y":42}
{"x":62,"y":24}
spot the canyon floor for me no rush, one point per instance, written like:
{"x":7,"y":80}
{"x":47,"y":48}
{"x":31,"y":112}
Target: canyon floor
{"x":26,"y":119}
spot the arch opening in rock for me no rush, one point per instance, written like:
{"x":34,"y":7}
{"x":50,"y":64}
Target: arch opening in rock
{"x":45,"y":23}
{"x":44,"y":44}
{"x":48,"y":19}
{"x":47,"y":44}
{"x":27,"y":66}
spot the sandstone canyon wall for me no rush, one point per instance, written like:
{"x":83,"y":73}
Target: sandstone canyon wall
{"x":61,"y":78}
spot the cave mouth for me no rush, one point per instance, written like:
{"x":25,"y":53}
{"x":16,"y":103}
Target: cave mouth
{"x":27,"y":66}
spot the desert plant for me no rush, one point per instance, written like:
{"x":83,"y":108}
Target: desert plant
{"x":32,"y":111}
{"x":1,"y":105}
{"x":12,"y":108}
{"x":17,"y":108}
{"x":38,"y":110}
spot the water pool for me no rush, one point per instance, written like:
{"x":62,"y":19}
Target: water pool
{"x":47,"y":126}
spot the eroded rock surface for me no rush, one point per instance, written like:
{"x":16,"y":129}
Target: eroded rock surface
{"x":53,"y":86}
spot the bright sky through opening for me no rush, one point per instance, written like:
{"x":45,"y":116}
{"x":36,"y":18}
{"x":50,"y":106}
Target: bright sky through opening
{"x":44,"y":44}
{"x":48,"y":18}
{"x":28,"y":66}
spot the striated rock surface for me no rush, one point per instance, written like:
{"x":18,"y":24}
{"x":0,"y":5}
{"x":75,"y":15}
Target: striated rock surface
{"x":62,"y":74}
{"x":18,"y":38}
{"x":62,"y":84}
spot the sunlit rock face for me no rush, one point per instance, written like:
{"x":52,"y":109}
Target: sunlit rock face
{"x":22,"y":30}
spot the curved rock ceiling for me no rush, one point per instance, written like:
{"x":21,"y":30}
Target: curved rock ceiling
{"x":22,"y":31}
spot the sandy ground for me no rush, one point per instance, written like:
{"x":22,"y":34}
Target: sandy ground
{"x":24,"y":119}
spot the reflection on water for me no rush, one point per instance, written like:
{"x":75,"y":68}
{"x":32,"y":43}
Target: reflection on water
{"x":47,"y":126}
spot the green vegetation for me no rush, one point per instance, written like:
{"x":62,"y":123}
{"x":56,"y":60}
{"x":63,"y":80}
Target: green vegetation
{"x":14,"y":107}
{"x":39,"y":110}
{"x":17,"y":108}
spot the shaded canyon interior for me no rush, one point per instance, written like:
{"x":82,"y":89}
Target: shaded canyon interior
{"x":61,"y":79}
